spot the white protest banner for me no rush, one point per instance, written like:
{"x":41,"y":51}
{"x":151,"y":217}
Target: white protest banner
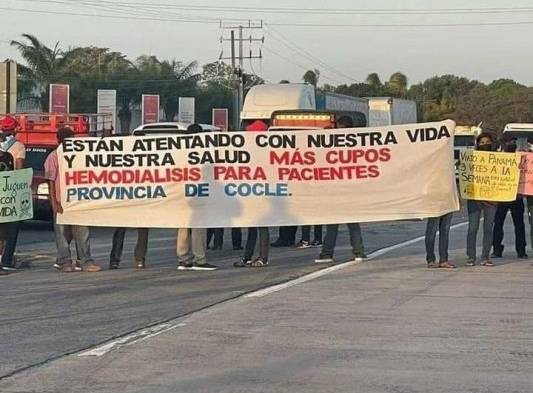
{"x":15,"y":195}
{"x":246,"y":179}
{"x":186,"y":110}
{"x":107,"y":103}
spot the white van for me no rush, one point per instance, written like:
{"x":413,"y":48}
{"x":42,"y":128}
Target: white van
{"x":169,"y":128}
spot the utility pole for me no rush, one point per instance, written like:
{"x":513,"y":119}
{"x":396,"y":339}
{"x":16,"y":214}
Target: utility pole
{"x":233,"y":50}
{"x":239,"y":71}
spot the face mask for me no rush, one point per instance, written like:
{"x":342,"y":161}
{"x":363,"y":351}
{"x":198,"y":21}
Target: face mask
{"x":487,"y":147}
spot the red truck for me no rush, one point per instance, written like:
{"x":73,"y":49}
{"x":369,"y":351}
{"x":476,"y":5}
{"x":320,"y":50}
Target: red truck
{"x":38,"y":133}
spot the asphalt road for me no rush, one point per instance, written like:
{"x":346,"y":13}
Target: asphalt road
{"x":45,"y":314}
{"x":385,"y":326}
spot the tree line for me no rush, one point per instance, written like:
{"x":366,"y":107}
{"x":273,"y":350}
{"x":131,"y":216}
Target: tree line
{"x":87,"y":69}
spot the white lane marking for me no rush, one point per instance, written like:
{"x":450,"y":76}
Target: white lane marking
{"x":323,"y":272}
{"x":132,"y":338}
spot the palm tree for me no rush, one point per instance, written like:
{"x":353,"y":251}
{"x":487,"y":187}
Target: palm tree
{"x":170,"y":79}
{"x":44,"y":66}
{"x":373,"y":80}
{"x":311,"y":77}
{"x":398,"y":84}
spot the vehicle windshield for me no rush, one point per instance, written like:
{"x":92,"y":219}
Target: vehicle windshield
{"x":35,"y":157}
{"x":464,"y":140}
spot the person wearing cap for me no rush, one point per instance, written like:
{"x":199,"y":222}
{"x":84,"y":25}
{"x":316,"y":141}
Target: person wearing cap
{"x":8,"y":129}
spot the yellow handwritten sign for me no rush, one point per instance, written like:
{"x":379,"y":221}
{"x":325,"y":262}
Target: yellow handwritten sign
{"x":489,"y":176}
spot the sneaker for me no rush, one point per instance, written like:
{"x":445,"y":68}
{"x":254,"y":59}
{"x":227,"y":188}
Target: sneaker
{"x":258,"y":262}
{"x":114,"y":265}
{"x":243,"y":262}
{"x":303,"y":244}
{"x":523,"y":256}
{"x":77,"y":266}
{"x":433,"y":265}
{"x":324,"y":259}
{"x":67,"y":267}
{"x":470,"y":262}
{"x":185,"y":266}
{"x":9,"y":268}
{"x":57,"y":266}
{"x":91,"y":267}
{"x":360,"y":258}
{"x":203,"y":266}
{"x":140,"y":264}
{"x":316,"y":243}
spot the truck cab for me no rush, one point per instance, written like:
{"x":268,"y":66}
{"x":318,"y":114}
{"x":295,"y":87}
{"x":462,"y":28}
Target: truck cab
{"x":263,"y":100}
{"x":523,"y":132}
{"x":38,"y":133}
{"x":464,"y":139}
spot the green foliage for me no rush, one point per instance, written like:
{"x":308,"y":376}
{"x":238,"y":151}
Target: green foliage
{"x":311,"y":77}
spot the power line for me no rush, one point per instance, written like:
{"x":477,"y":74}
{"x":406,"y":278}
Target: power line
{"x":319,"y":11}
{"x":317,"y":25}
{"x":124,"y":9}
{"x":289,"y":60}
{"x":304,"y":53}
{"x":185,"y":20}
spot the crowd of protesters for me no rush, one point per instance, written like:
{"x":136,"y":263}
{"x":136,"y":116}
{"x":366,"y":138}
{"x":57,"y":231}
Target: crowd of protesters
{"x":191,"y":244}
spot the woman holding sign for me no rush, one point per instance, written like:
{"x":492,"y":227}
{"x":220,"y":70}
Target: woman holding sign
{"x":484,"y":142}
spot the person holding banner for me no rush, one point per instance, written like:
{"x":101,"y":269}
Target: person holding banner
{"x":80,"y":234}
{"x":191,"y":244}
{"x":356,"y":238}
{"x":8,"y":128}
{"x":118,"y":245}
{"x":263,"y":232}
{"x":517,"y":209}
{"x":484,"y":142}
{"x":6,"y":164}
{"x":441,"y":224}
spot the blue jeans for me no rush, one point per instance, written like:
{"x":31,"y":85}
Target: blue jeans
{"x":441,"y":224}
{"x":475,"y":209}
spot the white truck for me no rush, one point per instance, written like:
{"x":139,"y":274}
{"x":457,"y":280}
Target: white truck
{"x":263,"y":100}
{"x":386,"y":111}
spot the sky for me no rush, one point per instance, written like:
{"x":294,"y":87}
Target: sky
{"x":345,"y":39}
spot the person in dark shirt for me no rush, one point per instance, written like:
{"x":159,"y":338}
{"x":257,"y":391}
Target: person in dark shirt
{"x":517,"y":209}
{"x":6,"y":164}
